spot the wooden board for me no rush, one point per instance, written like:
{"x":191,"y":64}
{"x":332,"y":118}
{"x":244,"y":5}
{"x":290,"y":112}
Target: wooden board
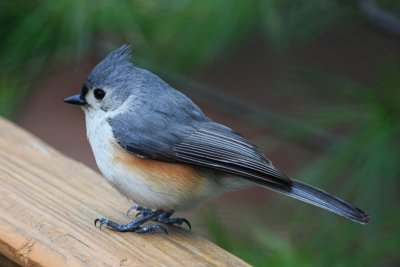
{"x":48,"y":203}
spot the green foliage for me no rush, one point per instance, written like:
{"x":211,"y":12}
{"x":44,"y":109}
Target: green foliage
{"x":367,"y":162}
{"x":174,"y":34}
{"x":183,"y":35}
{"x":257,"y":245}
{"x":288,"y":22}
{"x":363,"y":167}
{"x":6,"y":105}
{"x":371,"y":145}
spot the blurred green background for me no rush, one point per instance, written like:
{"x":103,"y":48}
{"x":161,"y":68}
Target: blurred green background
{"x":315,"y":84}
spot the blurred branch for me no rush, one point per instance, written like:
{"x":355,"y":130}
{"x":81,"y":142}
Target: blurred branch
{"x":295,"y":129}
{"x":379,"y":17}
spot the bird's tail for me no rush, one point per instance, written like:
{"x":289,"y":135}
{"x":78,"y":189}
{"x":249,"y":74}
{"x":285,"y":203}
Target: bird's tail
{"x":322,"y":199}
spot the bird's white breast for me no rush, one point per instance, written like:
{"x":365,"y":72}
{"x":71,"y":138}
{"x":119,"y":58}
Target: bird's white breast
{"x":157,"y":186}
{"x":100,"y":136}
{"x":152,"y":189}
{"x":128,"y":182}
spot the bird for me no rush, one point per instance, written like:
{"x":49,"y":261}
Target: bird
{"x":156,"y":147}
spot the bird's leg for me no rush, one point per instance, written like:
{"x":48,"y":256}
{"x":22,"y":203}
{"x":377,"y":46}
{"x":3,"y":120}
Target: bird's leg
{"x":142,"y":211}
{"x":135,"y":225}
{"x":165,"y":217}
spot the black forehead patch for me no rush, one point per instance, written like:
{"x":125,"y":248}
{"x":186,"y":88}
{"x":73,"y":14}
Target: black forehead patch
{"x":84,"y":91}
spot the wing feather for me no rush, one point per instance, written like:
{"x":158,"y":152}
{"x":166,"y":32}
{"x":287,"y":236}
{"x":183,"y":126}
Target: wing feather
{"x":230,"y":153}
{"x":203,"y":143}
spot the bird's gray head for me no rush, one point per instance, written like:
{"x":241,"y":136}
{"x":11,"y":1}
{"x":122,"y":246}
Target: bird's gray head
{"x":110,"y":83}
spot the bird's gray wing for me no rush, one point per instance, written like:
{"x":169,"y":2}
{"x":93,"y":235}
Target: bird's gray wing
{"x":218,"y":147}
{"x":203,"y":143}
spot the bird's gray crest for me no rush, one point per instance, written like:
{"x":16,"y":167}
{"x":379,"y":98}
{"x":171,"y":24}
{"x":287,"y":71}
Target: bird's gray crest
{"x":116,"y":62}
{"x":119,"y":55}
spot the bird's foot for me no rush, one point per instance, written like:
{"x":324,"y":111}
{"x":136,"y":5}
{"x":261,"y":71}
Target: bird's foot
{"x":141,"y":211}
{"x":164,"y":217}
{"x":135,"y":225}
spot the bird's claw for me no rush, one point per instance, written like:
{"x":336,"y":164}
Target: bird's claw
{"x":102,"y":221}
{"x":145,"y":215}
{"x":133,"y":226}
{"x":187,"y":223}
{"x":174,"y":221}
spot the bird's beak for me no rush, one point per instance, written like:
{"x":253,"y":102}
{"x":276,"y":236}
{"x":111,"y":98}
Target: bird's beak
{"x":75,"y":100}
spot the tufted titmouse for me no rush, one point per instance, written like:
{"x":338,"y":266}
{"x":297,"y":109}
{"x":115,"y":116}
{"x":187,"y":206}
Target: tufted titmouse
{"x":156,"y":147}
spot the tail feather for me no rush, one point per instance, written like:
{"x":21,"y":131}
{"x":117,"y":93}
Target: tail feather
{"x":322,"y":199}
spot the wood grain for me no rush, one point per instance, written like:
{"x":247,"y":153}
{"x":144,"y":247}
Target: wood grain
{"x":47,"y":206}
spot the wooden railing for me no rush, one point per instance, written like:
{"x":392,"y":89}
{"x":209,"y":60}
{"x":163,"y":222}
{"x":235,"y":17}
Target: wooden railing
{"x":47,"y":206}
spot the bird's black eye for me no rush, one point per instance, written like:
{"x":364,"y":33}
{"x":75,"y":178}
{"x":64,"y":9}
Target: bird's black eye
{"x":99,"y":94}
